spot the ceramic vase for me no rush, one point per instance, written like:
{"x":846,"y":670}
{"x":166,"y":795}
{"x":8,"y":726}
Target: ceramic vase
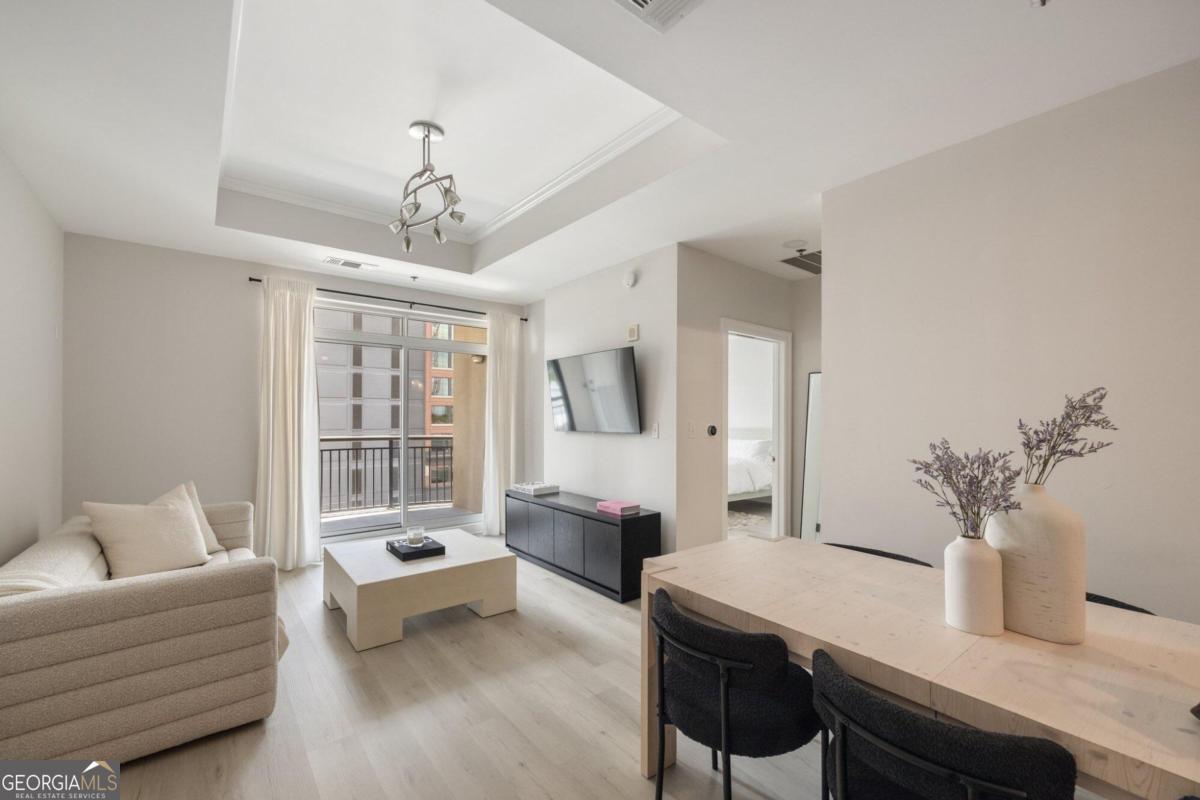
{"x":1045,"y":567}
{"x":974,"y":587}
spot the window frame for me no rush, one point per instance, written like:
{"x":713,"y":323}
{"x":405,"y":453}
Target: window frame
{"x":449,"y":409}
{"x":335,"y":336}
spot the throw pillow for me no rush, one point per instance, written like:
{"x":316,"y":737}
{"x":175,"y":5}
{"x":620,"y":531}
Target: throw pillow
{"x":138,"y":540}
{"x":211,"y":545}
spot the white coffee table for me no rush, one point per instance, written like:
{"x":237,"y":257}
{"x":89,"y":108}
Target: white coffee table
{"x":378,"y":591}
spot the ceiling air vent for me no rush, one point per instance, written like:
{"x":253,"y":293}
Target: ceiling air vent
{"x":809,"y":262}
{"x":659,"y":14}
{"x":334,"y":261}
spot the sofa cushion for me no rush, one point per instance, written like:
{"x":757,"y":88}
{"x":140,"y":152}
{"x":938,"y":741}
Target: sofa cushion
{"x":68,"y":557}
{"x":139,"y":540}
{"x":229,"y":557}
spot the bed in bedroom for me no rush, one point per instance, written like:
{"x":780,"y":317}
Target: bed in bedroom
{"x":751,"y":469}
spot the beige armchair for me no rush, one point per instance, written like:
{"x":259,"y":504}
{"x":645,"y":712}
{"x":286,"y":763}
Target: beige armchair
{"x":98,"y":668}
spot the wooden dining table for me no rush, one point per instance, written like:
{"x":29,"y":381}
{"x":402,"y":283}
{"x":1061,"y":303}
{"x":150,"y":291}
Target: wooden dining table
{"x":1120,"y":702}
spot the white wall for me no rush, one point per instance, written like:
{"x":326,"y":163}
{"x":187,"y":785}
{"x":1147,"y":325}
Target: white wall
{"x":591,"y":314}
{"x":680,"y":299}
{"x":751,"y":372}
{"x":979,"y":284}
{"x":31,"y":313}
{"x":711,"y":288}
{"x":806,"y":358}
{"x":161,"y":365}
{"x":533,"y":392}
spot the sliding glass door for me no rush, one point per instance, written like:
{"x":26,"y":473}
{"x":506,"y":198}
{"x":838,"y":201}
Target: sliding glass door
{"x":401,"y":417}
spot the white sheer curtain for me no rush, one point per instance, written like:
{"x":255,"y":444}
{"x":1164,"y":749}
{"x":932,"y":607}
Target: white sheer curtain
{"x":500,"y":409}
{"x":287,"y":523}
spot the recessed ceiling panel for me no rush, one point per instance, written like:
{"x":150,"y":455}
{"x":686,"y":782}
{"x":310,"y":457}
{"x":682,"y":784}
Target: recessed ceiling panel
{"x":324,"y":92}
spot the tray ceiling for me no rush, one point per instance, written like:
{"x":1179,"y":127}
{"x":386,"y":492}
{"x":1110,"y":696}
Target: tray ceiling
{"x":323,"y":93}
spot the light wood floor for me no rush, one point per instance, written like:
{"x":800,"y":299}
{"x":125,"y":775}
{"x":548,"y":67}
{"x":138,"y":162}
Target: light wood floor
{"x":539,"y":703}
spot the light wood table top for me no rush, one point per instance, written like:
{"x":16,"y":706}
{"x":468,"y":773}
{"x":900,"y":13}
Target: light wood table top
{"x":1119,"y":702}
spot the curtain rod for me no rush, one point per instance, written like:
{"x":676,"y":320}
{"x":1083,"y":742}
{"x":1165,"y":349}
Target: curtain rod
{"x":411,"y":303}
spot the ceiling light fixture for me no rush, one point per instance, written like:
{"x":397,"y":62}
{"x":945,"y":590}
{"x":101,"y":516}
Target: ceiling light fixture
{"x":426,"y":178}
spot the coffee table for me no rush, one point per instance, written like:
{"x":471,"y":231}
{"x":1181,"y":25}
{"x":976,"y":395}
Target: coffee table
{"x":378,"y":591}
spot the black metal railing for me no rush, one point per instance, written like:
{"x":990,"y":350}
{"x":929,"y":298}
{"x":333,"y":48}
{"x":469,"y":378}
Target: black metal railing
{"x":360,"y":473}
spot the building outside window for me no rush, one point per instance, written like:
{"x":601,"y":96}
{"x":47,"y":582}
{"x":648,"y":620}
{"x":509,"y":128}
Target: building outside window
{"x":441,"y":361}
{"x":441,"y":387}
{"x":441,"y":415}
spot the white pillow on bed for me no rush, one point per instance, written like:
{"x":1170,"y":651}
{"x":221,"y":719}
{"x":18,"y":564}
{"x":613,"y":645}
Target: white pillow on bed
{"x":750,"y":449}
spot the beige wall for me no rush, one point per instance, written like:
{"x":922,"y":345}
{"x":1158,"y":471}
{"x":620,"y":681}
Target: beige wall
{"x":711,"y":288}
{"x":31,"y":313}
{"x":161,"y":365}
{"x":591,"y":314}
{"x":806,"y":358}
{"x":979,"y":284}
{"x":533,"y":392}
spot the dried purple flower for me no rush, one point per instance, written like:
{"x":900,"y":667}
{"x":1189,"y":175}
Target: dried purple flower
{"x":1056,"y":440}
{"x":972,"y":487}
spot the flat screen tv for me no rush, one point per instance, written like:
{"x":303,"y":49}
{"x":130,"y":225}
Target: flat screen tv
{"x":595,"y":392}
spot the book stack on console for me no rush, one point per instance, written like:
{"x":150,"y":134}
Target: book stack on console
{"x":618,"y":508}
{"x":535,"y":488}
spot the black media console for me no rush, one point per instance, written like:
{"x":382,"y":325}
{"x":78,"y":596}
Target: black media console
{"x":564,"y":533}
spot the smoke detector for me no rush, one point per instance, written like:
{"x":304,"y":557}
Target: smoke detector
{"x":659,"y":14}
{"x":804,"y":259}
{"x":336,"y":261}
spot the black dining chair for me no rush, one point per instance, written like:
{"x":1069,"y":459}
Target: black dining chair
{"x":1108,"y":601}
{"x":881,"y":751}
{"x":881,"y":553}
{"x":734,"y":692}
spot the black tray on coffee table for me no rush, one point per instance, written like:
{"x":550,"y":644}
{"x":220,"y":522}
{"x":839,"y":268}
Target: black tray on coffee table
{"x":404,"y":551}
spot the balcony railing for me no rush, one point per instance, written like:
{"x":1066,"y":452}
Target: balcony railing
{"x":362,"y":473}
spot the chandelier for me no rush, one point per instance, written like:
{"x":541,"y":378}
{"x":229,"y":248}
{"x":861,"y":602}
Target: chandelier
{"x":414,"y":214}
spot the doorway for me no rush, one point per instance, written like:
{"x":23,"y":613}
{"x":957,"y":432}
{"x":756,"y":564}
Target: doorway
{"x":756,"y":441}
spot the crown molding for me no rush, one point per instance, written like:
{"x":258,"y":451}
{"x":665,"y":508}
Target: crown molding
{"x":614,"y":148}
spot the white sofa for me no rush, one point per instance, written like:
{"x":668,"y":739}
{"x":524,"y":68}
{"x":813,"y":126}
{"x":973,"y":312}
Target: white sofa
{"x":98,"y":668}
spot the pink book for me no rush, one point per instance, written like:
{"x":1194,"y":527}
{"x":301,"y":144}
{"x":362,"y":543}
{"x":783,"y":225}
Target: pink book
{"x":618,"y":508}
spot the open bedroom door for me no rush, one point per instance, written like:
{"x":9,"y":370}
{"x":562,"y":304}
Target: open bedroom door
{"x":756,"y":437}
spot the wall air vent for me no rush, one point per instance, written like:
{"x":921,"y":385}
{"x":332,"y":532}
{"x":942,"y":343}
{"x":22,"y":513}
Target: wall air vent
{"x":659,"y":14}
{"x":809,"y":262}
{"x":334,"y":261}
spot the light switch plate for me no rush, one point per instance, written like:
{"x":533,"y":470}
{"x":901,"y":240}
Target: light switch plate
{"x":631,"y":332}
{"x":654,"y":431}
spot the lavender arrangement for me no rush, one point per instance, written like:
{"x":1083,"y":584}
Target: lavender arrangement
{"x":972,"y":487}
{"x":1054,"y":441}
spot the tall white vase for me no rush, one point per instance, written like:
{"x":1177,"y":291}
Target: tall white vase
{"x":1045,"y":567}
{"x":974,"y":587}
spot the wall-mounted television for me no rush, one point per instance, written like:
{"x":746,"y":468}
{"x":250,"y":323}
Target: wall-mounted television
{"x":595,"y":392}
